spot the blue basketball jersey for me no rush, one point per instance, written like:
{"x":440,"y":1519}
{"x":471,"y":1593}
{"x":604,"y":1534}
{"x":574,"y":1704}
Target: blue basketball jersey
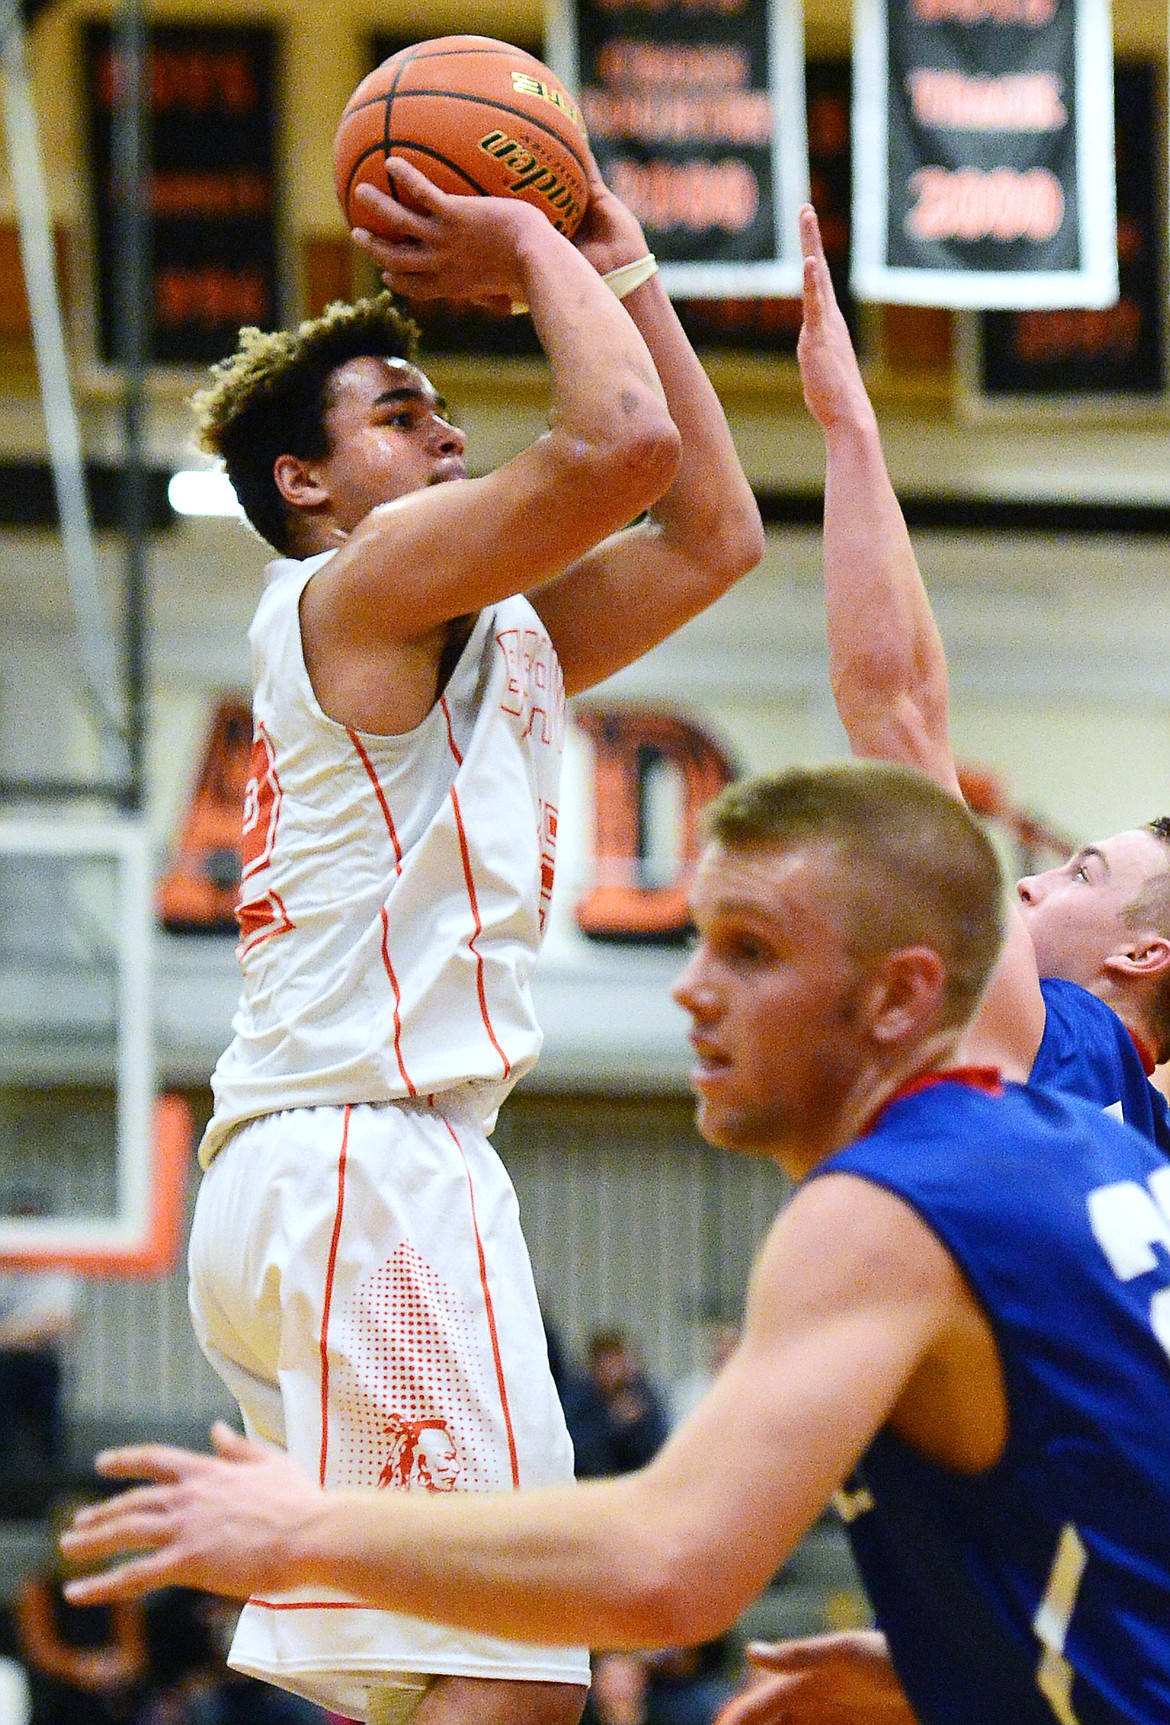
{"x":1039,"y":1589}
{"x":1087,"y":1051}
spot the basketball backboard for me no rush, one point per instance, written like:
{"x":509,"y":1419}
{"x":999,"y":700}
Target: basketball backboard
{"x":92,"y":1167}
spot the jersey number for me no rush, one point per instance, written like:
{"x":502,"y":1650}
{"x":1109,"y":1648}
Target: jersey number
{"x":1128,"y":1221}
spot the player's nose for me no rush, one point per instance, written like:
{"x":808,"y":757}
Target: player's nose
{"x":1030,"y":890}
{"x":449,"y":439}
{"x":692,"y":989}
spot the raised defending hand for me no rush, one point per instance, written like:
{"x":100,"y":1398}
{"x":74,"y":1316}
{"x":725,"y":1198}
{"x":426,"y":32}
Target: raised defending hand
{"x":221,"y":1523}
{"x":843,"y":1679}
{"x":431,"y":245}
{"x":834,"y":391}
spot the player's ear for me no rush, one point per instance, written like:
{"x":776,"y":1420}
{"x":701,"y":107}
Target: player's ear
{"x":298,"y":482}
{"x":1146,"y":955}
{"x":903,"y":994}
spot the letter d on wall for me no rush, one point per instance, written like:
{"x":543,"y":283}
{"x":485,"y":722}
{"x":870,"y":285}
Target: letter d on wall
{"x":632,"y":748}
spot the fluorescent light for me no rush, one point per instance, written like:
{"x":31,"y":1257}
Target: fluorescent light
{"x":202,"y":491}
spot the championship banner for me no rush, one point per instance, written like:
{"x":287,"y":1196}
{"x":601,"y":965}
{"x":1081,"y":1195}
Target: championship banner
{"x":696,"y":113}
{"x":213,"y":184}
{"x":983,"y":168}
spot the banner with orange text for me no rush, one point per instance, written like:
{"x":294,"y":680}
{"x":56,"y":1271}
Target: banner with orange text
{"x":696,"y":113}
{"x":983,"y":153}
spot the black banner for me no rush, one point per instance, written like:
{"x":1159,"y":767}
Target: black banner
{"x":212,"y":185}
{"x":983,"y":171}
{"x":695,"y":111}
{"x":1118,"y":349}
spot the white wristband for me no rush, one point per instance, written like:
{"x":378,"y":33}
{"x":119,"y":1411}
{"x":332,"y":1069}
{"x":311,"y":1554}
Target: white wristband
{"x":621,"y":281}
{"x":627,"y":277}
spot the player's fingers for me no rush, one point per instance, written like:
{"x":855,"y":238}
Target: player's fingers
{"x":759,"y":1704}
{"x":792,"y":1657}
{"x":133,"y":1518}
{"x":156,"y":1461}
{"x":234,"y":1446}
{"x":129,"y":1580}
{"x":810,"y":233}
{"x":385,"y":218}
{"x":412,"y":187}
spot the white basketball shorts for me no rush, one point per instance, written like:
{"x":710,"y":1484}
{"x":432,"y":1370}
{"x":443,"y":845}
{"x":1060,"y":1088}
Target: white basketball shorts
{"x":360,"y":1283}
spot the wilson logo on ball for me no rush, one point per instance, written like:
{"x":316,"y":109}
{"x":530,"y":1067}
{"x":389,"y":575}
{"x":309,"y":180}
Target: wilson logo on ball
{"x":532,"y":175}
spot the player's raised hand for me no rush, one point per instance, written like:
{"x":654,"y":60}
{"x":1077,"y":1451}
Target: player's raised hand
{"x":842,"y":1679}
{"x":219,"y":1523}
{"x":834,"y":391}
{"x":434,"y":245}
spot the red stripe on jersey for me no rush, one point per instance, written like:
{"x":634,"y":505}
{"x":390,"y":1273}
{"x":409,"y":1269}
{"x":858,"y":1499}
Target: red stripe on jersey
{"x":474,"y":902}
{"x":406,"y":1079}
{"x":450,"y":732}
{"x":311,"y":1605}
{"x":328,"y":1300}
{"x":489,"y":1310}
{"x":380,"y":794}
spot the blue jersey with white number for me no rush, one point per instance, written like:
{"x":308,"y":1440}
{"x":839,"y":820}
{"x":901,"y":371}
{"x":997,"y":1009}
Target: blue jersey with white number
{"x":1087,"y":1051}
{"x":1038,"y":1590}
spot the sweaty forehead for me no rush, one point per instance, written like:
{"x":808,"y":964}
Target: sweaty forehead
{"x":367,"y":376}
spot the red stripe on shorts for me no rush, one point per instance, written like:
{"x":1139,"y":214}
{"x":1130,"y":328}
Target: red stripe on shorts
{"x":328,"y":1300}
{"x":490,"y":1311}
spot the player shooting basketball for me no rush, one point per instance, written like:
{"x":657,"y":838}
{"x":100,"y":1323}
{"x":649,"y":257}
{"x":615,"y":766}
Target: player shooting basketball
{"x":958,"y":1321}
{"x":357,"y":1266}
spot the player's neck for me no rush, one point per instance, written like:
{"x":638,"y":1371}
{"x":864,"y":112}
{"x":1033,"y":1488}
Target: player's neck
{"x":874,"y":1086}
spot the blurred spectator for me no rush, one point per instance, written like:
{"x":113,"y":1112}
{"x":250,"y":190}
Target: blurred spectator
{"x":676,"y":1686}
{"x":687,"y":1392}
{"x":86,"y":1664}
{"x":614,"y":1413}
{"x":38,"y":1313}
{"x":189,"y":1635}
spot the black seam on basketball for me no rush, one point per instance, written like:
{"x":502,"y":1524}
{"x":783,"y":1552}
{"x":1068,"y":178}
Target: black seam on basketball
{"x":374,"y":150}
{"x":408,"y":55}
{"x":436,"y":156}
{"x":504,"y":108}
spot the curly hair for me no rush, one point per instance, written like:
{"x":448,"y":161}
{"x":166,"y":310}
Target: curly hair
{"x":270,"y":398}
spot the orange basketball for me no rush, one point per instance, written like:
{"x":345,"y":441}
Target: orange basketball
{"x":475,"y":116}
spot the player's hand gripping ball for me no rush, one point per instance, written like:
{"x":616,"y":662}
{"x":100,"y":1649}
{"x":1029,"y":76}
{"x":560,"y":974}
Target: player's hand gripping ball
{"x":475,"y":116}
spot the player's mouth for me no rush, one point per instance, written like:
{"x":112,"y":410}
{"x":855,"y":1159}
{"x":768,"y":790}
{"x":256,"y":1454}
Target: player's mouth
{"x":452,"y":467}
{"x":711,"y":1064}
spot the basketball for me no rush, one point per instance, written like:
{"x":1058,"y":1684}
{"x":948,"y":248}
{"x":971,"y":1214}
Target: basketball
{"x":476,"y":116}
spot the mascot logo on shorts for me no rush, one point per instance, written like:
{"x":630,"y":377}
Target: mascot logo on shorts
{"x":423,"y":1455}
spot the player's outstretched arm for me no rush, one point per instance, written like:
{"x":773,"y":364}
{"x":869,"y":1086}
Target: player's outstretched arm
{"x":886,"y":659}
{"x":702,"y":534}
{"x":611,"y":449}
{"x":665,"y":1557}
{"x":842,"y":1679}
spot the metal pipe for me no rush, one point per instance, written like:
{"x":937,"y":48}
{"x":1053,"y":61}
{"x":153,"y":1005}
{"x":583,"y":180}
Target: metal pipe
{"x":95,"y":637}
{"x":132,"y":348}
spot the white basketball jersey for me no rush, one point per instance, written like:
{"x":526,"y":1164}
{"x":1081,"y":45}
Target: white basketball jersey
{"x":394,"y":889}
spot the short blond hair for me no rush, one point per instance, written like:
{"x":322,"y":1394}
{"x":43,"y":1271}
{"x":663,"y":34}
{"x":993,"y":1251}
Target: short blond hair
{"x":914,"y":866}
{"x":270,"y":397}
